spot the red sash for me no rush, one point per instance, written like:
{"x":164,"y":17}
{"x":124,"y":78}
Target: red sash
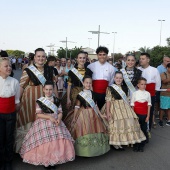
{"x":100,"y":86}
{"x":151,"y":88}
{"x":7,"y":105}
{"x":141,"y":108}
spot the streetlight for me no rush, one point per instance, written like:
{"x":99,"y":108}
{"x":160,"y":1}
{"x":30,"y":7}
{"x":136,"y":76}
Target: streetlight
{"x":52,"y":48}
{"x":98,"y":32}
{"x":89,"y":41}
{"x":160,"y":30}
{"x":114,"y":42}
{"x":65,"y":41}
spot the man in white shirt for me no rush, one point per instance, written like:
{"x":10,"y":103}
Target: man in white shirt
{"x":14,"y":63}
{"x":152,"y":76}
{"x":102,"y":74}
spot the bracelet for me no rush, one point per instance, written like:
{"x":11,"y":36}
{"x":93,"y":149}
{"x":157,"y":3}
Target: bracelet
{"x":78,"y":107}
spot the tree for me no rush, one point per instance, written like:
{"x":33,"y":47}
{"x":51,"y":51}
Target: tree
{"x":71,"y":53}
{"x":16,"y":53}
{"x":117,"y":56}
{"x":157,"y":54}
{"x":168,"y":41}
{"x":145,"y":49}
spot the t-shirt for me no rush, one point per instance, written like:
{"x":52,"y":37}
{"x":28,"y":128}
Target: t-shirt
{"x":161,"y":69}
{"x":10,"y":87}
{"x":141,"y":96}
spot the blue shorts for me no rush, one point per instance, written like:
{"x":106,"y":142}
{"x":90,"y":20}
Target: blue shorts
{"x":165,"y":102}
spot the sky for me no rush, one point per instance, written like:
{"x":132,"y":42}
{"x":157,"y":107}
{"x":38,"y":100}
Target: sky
{"x":29,"y":24}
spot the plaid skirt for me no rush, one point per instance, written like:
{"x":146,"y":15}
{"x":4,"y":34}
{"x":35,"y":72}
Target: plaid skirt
{"x":44,"y":131}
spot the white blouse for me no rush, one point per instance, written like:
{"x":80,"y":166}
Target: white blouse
{"x":10,"y":87}
{"x":141,"y":96}
{"x":102,"y":71}
{"x":151,"y":74}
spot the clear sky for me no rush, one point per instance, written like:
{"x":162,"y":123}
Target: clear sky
{"x":29,"y":24}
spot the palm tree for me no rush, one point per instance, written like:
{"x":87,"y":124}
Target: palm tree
{"x":145,"y":49}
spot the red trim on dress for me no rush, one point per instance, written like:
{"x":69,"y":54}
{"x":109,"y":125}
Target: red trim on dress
{"x":141,"y":108}
{"x":100,"y":86}
{"x":7,"y":105}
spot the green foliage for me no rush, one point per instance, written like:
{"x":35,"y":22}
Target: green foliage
{"x":16,"y":53}
{"x":71,"y":53}
{"x":168,"y":41}
{"x":157,"y":54}
{"x":117,"y":56}
{"x":145,"y":49}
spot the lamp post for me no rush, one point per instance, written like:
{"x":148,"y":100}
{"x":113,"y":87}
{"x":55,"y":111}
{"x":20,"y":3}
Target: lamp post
{"x":89,"y":41}
{"x":161,"y":20}
{"x":52,"y":48}
{"x":114,"y":43}
{"x":66,"y":41}
{"x":98,"y":32}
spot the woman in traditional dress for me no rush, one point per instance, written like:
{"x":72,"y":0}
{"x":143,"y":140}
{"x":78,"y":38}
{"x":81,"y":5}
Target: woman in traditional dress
{"x":75,"y":76}
{"x":123,"y":125}
{"x":60,"y":83}
{"x":48,"y":141}
{"x":85,"y":124}
{"x":31,"y":88}
{"x":131,"y":74}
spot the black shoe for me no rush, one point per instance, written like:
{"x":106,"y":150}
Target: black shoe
{"x":2,"y":166}
{"x":48,"y":167}
{"x":140,"y":150}
{"x":160,"y":123}
{"x":135,"y":149}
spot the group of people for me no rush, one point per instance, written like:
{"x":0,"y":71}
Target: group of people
{"x":101,"y":108}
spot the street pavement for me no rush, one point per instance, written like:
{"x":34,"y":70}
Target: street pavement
{"x":156,"y":155}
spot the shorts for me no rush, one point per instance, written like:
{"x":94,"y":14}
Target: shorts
{"x":165,"y":102}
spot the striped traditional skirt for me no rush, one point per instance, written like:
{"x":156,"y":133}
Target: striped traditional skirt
{"x":89,"y":133}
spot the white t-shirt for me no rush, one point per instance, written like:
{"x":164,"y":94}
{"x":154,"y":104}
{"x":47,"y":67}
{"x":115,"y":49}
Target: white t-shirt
{"x":10,"y":87}
{"x":141,"y":96}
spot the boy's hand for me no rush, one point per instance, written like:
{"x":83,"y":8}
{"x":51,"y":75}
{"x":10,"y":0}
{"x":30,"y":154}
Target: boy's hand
{"x":17,"y":106}
{"x":147,"y":119}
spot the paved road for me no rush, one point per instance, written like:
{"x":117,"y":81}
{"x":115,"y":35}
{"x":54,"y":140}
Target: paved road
{"x":155,"y":157}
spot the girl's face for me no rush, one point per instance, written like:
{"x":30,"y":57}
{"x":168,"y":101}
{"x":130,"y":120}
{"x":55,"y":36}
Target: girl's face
{"x":5,"y":68}
{"x":40,"y":58}
{"x":168,"y":69}
{"x":48,"y":90}
{"x":81,"y":59}
{"x":118,"y":79}
{"x":68,"y":63}
{"x":130,"y":61}
{"x":87,"y":83}
{"x":142,"y":85}
{"x":57,"y":63}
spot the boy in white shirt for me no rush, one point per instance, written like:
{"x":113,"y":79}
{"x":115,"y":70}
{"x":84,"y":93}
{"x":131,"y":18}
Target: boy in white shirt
{"x":9,"y":104}
{"x":141,"y":104}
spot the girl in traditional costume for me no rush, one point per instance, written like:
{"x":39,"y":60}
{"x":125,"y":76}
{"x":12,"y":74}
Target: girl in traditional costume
{"x":75,"y":76}
{"x":48,"y":141}
{"x":131,"y":74}
{"x":31,"y":88}
{"x":85,"y":124}
{"x":123,"y":125}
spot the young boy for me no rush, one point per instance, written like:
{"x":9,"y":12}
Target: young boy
{"x":9,"y":104}
{"x":141,"y":103}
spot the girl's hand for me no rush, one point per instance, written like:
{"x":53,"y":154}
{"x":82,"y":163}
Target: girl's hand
{"x":109,"y":116}
{"x":52,"y":119}
{"x":58,"y":121}
{"x":68,"y":103}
